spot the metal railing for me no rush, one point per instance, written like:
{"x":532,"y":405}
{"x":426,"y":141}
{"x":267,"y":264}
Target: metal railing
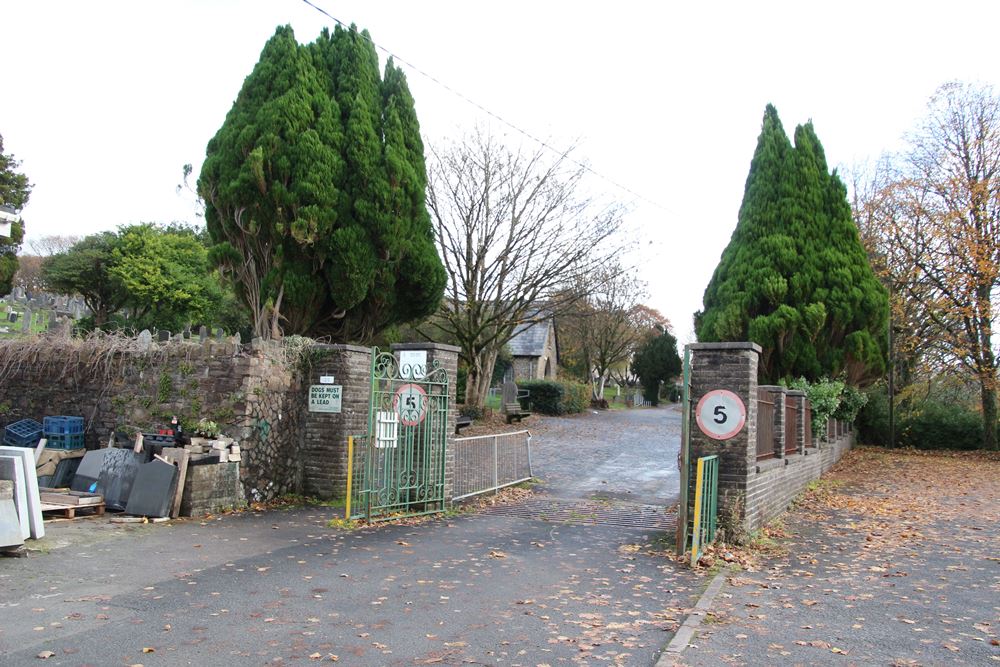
{"x":765,"y":425}
{"x":706,"y":498}
{"x":791,"y":427}
{"x":490,"y":462}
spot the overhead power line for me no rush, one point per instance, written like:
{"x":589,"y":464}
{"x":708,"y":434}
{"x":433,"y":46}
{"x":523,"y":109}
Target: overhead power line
{"x":496,"y":116}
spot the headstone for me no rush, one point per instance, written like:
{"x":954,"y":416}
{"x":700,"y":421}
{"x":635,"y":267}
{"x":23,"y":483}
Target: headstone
{"x":117,"y":476}
{"x":219,"y":334}
{"x":187,"y":332}
{"x":12,"y":317}
{"x":203,"y":333}
{"x":145,"y":339}
{"x":28,"y":320}
{"x":27,"y":458}
{"x":237,"y":341}
{"x":153,"y":490}
{"x":10,"y":469}
{"x":164,"y":336}
{"x":86,"y":475}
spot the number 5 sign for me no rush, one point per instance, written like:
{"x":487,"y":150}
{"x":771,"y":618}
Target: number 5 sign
{"x":720,"y":414}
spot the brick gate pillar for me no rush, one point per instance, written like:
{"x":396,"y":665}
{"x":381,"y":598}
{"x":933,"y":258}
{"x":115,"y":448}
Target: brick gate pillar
{"x":447,"y":357}
{"x":324,"y":439}
{"x":733,"y":367}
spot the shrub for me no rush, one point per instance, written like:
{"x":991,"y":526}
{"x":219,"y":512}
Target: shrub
{"x":471,"y":411}
{"x":824,"y":396}
{"x":931,"y":422}
{"x":554,"y":398}
{"x":576,"y":397}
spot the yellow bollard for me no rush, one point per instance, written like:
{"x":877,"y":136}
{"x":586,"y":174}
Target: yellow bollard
{"x":350,"y":475}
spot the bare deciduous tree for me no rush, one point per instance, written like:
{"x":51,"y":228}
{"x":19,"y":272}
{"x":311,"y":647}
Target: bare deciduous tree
{"x":514,"y":230}
{"x":53,"y":245}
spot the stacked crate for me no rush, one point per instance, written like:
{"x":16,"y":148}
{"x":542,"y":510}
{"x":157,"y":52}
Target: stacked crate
{"x":23,"y":433}
{"x":63,"y":432}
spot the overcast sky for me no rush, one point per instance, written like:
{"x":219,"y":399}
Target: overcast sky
{"x":105,"y":101}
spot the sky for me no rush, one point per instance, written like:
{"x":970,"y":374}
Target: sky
{"x":105,"y":101}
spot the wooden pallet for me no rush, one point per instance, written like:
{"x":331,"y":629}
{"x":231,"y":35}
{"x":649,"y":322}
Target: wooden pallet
{"x":69,"y":511}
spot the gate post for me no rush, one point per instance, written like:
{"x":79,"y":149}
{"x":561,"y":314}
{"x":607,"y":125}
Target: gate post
{"x":731,"y":367}
{"x":447,"y":357}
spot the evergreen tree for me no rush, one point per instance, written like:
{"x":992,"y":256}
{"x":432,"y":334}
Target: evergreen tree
{"x":656,"y":362}
{"x":14,"y":193}
{"x":311,"y":187}
{"x":795,"y":278}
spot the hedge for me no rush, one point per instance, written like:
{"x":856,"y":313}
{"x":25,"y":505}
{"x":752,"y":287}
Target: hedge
{"x":549,"y":397}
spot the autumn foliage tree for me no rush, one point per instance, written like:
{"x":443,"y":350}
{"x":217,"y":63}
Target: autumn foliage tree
{"x":795,"y":278}
{"x":315,"y":192}
{"x":932,"y":218}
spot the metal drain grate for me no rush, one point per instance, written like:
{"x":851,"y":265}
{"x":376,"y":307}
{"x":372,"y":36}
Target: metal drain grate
{"x":591,"y":512}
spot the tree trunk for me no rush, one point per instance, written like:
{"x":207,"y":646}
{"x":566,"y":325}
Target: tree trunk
{"x":477,"y":383}
{"x":989,"y":396}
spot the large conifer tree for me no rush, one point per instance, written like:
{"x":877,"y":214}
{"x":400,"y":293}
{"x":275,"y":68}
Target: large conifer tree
{"x":314,"y":190}
{"x":795,"y":278}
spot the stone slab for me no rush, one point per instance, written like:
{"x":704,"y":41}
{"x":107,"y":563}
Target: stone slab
{"x":10,"y":469}
{"x":10,"y":525}
{"x":179,"y":457}
{"x":153,"y":490}
{"x":117,"y":476}
{"x":27,"y":457}
{"x":90,"y":469}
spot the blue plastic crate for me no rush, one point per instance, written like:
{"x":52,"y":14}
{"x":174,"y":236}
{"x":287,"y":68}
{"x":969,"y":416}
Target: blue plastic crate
{"x":62,"y":425}
{"x":23,"y":433}
{"x":68,"y":441}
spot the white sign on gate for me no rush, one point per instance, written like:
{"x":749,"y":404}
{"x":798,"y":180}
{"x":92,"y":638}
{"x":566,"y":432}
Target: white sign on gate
{"x":720,"y":414}
{"x":412,"y":364}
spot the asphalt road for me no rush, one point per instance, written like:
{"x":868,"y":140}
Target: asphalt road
{"x":281,"y":587}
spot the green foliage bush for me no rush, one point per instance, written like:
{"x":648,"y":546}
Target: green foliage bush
{"x":549,"y":397}
{"x":931,"y":423}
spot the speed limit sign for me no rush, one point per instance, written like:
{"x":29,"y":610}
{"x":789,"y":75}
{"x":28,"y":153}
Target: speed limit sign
{"x":720,"y":414}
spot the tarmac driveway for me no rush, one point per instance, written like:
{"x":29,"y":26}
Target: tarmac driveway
{"x":542,"y":585}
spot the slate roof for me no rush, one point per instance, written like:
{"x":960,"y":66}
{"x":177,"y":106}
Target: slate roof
{"x":529,"y":339}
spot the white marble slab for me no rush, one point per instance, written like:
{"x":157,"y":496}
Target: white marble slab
{"x":27,"y":456}
{"x":12,"y":469}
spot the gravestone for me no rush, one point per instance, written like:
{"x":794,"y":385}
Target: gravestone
{"x":28,"y":320}
{"x":145,"y":339}
{"x":164,"y":336}
{"x":117,"y":476}
{"x":219,"y":334}
{"x":203,"y":333}
{"x":10,"y":469}
{"x":187,"y":332}
{"x":86,"y":475}
{"x":153,"y":490}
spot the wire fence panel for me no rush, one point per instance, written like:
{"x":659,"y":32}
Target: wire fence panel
{"x":490,"y":462}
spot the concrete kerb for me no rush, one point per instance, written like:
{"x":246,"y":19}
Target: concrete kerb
{"x":671,"y":654}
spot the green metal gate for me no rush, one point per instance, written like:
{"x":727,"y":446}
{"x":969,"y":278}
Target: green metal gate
{"x":402,"y":464}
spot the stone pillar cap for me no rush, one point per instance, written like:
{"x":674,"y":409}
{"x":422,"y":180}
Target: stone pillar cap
{"x":734,"y":347}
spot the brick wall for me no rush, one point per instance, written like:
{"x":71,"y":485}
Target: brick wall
{"x":756,"y":491}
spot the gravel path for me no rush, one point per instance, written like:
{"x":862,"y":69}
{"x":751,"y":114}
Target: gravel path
{"x":623,"y":454}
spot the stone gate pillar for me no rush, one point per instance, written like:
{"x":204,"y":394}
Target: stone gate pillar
{"x":731,"y":367}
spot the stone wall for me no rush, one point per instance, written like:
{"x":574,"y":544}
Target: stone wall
{"x":257,"y":393}
{"x":121,"y":384}
{"x":752,"y":491}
